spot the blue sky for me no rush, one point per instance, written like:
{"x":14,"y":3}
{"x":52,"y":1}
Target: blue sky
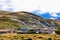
{"x":46,"y":15}
{"x":45,"y":8}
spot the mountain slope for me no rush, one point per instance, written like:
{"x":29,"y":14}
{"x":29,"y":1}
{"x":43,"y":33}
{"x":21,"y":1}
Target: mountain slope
{"x":25,"y":19}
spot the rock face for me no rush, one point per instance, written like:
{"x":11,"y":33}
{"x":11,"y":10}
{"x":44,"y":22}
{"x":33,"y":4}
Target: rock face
{"x":25,"y":20}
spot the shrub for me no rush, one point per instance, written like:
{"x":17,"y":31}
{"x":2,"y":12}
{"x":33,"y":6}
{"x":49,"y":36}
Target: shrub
{"x":49,"y":39}
{"x":57,"y":31}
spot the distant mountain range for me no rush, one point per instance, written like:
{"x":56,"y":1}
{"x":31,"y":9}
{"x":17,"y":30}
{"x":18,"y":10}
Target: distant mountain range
{"x":24,"y":19}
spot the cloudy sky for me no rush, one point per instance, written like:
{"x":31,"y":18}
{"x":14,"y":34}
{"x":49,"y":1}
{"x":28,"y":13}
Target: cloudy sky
{"x":44,"y":8}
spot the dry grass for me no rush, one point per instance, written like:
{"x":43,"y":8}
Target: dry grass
{"x":26,"y":36}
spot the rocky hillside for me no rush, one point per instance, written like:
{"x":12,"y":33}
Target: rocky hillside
{"x":25,"y":20}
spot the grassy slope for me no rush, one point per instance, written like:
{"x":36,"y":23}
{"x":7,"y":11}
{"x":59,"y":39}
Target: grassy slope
{"x":18,"y":15}
{"x":7,"y":23}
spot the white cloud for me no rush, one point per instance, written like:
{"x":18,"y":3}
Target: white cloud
{"x":53,"y":14}
{"x":31,"y":5}
{"x":52,"y":18}
{"x":51,"y":6}
{"x":43,"y":5}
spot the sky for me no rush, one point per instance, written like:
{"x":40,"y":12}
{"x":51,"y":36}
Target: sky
{"x":45,"y":8}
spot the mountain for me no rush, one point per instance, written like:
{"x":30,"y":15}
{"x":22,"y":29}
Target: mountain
{"x":58,"y":19}
{"x":24,"y":19}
